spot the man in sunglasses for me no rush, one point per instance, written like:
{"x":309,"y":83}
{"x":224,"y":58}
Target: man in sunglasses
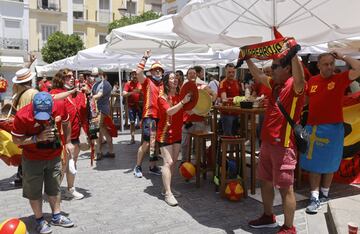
{"x":325,"y":119}
{"x":278,"y":151}
{"x":33,"y":131}
{"x":152,"y":87}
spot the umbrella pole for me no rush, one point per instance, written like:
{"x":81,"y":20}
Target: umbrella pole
{"x":173,"y":58}
{"x":121,"y":101}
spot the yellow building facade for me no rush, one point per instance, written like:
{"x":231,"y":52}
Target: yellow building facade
{"x":87,"y":18}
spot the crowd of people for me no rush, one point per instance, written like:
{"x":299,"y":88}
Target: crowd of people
{"x":49,"y":121}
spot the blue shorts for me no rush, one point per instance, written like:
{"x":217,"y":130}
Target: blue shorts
{"x":133,"y":111}
{"x":325,"y":150}
{"x":148,"y":127}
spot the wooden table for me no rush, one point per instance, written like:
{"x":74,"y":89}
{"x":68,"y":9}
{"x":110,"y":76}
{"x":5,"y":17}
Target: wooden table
{"x":246,"y":112}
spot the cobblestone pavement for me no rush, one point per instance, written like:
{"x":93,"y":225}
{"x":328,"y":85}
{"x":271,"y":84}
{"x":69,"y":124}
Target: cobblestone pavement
{"x":117,"y":202}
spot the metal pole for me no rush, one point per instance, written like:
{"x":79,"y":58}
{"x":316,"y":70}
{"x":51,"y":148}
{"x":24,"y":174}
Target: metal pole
{"x":121,"y":100}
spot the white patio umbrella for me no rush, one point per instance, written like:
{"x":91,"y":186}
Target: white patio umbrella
{"x":156,"y":35}
{"x":311,"y":22}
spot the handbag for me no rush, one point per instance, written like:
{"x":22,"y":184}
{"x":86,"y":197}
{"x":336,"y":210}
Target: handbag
{"x":302,"y":137}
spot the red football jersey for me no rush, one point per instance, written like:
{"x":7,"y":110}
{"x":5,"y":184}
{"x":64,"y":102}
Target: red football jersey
{"x":326,"y":98}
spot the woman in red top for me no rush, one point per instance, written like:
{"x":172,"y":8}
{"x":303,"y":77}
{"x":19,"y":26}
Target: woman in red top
{"x":75,"y":105}
{"x":168,"y":133}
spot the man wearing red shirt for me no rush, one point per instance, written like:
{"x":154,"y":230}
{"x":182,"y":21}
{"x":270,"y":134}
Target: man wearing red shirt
{"x":193,"y":122}
{"x":152,"y":88}
{"x":229,"y":88}
{"x":132,"y":90}
{"x":277,"y":154}
{"x":325,"y":124}
{"x":33,"y":131}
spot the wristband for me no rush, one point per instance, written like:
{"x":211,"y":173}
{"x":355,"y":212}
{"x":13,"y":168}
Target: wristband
{"x":34,"y":139}
{"x":146,"y":58}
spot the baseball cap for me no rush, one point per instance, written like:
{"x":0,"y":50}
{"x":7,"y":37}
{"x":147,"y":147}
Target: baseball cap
{"x":42,"y":104}
{"x":156,"y":65}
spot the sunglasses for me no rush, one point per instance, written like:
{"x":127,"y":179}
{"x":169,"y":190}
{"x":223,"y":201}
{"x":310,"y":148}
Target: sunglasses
{"x":274,"y":66}
{"x":42,"y":102}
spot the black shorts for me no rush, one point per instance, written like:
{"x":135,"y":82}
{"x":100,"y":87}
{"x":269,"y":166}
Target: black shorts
{"x":75,"y":141}
{"x":162,"y":144}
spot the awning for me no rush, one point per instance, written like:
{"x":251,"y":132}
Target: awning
{"x":12,"y":61}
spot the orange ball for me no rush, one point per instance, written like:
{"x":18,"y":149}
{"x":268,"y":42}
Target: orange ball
{"x":187,"y":170}
{"x":234,"y":191}
{"x":13,"y":226}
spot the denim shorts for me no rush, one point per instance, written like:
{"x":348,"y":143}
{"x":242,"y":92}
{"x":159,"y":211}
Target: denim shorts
{"x":148,"y":125}
{"x":133,"y":112}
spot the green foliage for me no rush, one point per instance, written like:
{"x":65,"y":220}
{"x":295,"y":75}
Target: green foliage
{"x":126,"y":20}
{"x":60,"y":46}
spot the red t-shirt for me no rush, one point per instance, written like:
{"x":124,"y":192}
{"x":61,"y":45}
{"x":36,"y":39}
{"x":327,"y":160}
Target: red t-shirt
{"x":72,"y":110}
{"x":151,"y":91}
{"x":26,"y":125}
{"x":229,"y":86}
{"x":276,"y":130}
{"x":326,"y":98}
{"x":261,"y":89}
{"x":169,"y":127}
{"x":134,"y":98}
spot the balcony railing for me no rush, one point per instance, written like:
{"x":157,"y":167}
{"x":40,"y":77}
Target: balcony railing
{"x":49,"y":5}
{"x":103,"y":16}
{"x":13,"y":44}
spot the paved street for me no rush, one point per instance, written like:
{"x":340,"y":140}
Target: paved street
{"x":117,"y":202}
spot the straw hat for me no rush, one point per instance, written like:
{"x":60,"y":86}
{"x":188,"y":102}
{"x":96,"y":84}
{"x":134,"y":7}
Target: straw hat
{"x":23,"y":75}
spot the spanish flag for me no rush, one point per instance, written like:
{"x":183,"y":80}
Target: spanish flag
{"x":9,"y":152}
{"x":349,"y":171}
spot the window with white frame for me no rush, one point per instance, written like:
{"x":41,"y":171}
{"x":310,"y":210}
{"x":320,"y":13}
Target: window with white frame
{"x":104,"y":4}
{"x":46,"y":31}
{"x":102,"y":38}
{"x":131,"y":7}
{"x":12,"y":29}
{"x":156,"y":7}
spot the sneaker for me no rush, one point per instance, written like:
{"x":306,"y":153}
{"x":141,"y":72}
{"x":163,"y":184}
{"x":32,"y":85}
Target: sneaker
{"x":43,"y":227}
{"x":286,"y":230}
{"x":314,"y":206}
{"x":99,"y":156}
{"x":155,"y":170}
{"x":72,"y":193}
{"x":138,"y":172}
{"x":323,"y":199}
{"x":109,"y":155}
{"x":62,"y":221}
{"x":264,"y":221}
{"x":174,"y":192}
{"x":171,"y":200}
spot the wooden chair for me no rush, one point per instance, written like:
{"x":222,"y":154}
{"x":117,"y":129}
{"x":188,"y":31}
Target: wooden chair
{"x":202,"y":163}
{"x":222,"y":170}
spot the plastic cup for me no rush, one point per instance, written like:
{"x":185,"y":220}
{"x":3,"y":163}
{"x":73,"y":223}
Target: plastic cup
{"x":353,"y":228}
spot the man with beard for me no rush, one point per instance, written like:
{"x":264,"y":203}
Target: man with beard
{"x":101,"y":92}
{"x":132,"y":90}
